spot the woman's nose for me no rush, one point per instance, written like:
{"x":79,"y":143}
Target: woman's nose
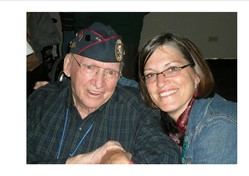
{"x":162,"y":80}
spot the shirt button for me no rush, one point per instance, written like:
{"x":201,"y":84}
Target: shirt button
{"x":80,"y":128}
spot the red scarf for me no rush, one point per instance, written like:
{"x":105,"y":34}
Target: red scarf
{"x":181,"y":125}
{"x":182,"y":122}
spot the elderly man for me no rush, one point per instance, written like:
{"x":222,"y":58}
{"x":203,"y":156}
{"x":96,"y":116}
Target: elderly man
{"x":90,"y":117}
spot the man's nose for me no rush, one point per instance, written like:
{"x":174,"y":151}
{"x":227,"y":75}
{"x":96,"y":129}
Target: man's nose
{"x":99,"y":78}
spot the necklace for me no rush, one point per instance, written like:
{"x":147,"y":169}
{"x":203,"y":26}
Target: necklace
{"x":63,"y":134}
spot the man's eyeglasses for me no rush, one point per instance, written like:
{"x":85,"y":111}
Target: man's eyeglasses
{"x":93,"y":70}
{"x":170,"y":72}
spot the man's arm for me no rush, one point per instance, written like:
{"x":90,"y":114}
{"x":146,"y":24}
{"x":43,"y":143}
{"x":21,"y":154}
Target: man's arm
{"x":152,"y":146}
{"x":110,"y":153}
{"x":116,"y":157}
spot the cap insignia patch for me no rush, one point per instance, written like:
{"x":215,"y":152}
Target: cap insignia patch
{"x":119,"y":50}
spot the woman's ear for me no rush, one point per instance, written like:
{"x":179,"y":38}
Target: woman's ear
{"x":197,"y":80}
{"x":67,"y":65}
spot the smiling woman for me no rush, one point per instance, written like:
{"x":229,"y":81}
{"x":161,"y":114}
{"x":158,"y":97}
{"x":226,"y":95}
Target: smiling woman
{"x":175,"y":78}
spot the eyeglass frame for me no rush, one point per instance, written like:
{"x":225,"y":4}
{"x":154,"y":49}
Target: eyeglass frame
{"x":143,"y":79}
{"x":86,"y":65}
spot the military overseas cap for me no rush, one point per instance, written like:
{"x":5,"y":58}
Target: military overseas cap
{"x":99,"y":42}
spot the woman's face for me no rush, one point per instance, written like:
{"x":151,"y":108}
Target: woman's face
{"x":172,"y":94}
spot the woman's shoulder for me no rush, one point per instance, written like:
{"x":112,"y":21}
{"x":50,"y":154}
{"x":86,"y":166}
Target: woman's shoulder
{"x":220,"y":107}
{"x":214,"y":108}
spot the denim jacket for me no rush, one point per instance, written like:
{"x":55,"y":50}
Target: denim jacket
{"x":211,"y":136}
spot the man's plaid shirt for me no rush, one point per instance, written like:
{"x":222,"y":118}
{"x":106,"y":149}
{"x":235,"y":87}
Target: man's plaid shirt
{"x":123,"y":118}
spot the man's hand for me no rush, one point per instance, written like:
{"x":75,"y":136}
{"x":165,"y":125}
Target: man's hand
{"x":116,"y":157}
{"x":40,"y":84}
{"x":110,"y":153}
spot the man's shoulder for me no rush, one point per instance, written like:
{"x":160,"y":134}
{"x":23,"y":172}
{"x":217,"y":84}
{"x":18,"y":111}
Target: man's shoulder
{"x":128,"y":95}
{"x":50,"y":90}
{"x":127,"y":91}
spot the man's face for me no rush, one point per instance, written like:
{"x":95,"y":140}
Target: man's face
{"x":93,"y":82}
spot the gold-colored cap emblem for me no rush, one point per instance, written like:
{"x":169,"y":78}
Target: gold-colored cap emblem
{"x":119,"y":50}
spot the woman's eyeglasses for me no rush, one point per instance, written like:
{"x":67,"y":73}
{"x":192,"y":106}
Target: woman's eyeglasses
{"x":170,"y":72}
